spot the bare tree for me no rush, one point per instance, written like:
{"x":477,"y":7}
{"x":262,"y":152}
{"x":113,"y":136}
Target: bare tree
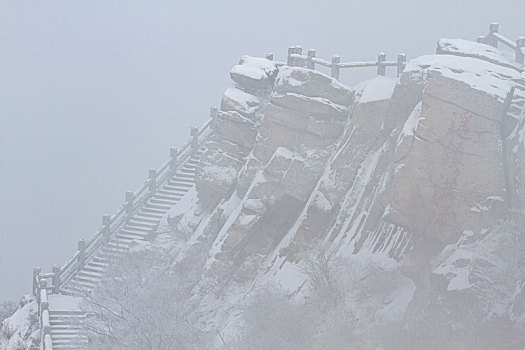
{"x":272,"y":320}
{"x":142,"y":304}
{"x":7,"y":308}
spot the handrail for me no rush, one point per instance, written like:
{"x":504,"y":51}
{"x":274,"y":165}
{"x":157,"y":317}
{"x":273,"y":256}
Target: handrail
{"x":86,"y":249}
{"x":297,"y":59}
{"x":111,"y":225}
{"x":494,"y":37}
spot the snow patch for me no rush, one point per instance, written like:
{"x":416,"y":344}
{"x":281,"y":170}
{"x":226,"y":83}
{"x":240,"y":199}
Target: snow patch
{"x":461,"y":47}
{"x":248,"y":102}
{"x":255,"y":68}
{"x":378,"y":88}
{"x":480,"y":75}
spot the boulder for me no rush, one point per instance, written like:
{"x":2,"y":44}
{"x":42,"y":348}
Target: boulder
{"x":254,"y":74}
{"x":311,"y":83}
{"x":449,"y":151}
{"x":236,"y":100}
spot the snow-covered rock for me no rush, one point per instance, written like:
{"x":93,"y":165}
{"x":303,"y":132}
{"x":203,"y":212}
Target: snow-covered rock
{"x":465,"y":48}
{"x":394,"y":173}
{"x":21,"y":331}
{"x":253,"y":73}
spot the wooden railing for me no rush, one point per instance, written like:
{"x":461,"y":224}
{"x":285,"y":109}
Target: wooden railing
{"x":297,"y":59}
{"x":494,"y":37}
{"x":50,"y":283}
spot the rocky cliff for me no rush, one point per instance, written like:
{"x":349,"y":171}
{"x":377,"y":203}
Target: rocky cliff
{"x":415,"y":183}
{"x":408,"y":170}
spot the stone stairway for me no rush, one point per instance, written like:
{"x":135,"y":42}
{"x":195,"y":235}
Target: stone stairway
{"x":141,"y":226}
{"x":66,"y":331}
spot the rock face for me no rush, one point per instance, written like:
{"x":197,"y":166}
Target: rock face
{"x":452,"y":174}
{"x":304,"y":117}
{"x":235,"y":128}
{"x":400,"y":169}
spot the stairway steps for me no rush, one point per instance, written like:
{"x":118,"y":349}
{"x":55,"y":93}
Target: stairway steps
{"x":76,"y":289}
{"x":140,"y":230}
{"x":109,"y":254}
{"x":172,"y":191}
{"x":118,"y":243}
{"x":133,"y":234}
{"x":153,"y":211}
{"x":86,"y":280}
{"x":66,"y":312}
{"x":156,"y":207}
{"x":163,"y":201}
{"x":131,"y":237}
{"x":188,"y":173}
{"x":180,"y":183}
{"x":111,"y":249}
{"x":134,"y":223}
{"x":66,"y":324}
{"x":185,"y":179}
{"x":145,"y":220}
{"x":69,"y":342}
{"x":152,"y":216}
{"x":85,"y":274}
{"x":94,"y":268}
{"x":97,"y":260}
{"x":65,"y":330}
{"x":53,"y":315}
{"x":171,"y":197}
{"x":514,"y":108}
{"x":189,"y":176}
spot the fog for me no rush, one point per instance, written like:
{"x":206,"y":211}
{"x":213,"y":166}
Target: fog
{"x":94,"y":93}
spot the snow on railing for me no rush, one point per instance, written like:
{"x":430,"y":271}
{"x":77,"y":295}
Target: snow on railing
{"x":297,"y":59}
{"x":112,"y":224}
{"x":494,"y":37}
{"x":40,"y":290}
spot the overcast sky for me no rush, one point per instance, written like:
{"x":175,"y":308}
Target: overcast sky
{"x":93,"y":93}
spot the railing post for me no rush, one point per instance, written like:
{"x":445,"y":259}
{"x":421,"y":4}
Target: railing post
{"x":298,"y":51}
{"x":106,"y":227}
{"x":56,"y":279}
{"x":174,"y":152}
{"x":269,"y":56}
{"x":152,"y":181}
{"x":310,"y":64}
{"x":381,"y":69}
{"x":334,"y":71}
{"x":401,"y":63}
{"x":520,"y":46}
{"x":213,"y":115}
{"x":129,"y":204}
{"x":43,"y":304}
{"x":290,"y":60}
{"x":491,"y":39}
{"x":36,"y":273}
{"x":194,"y":131}
{"x":81,"y":253}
